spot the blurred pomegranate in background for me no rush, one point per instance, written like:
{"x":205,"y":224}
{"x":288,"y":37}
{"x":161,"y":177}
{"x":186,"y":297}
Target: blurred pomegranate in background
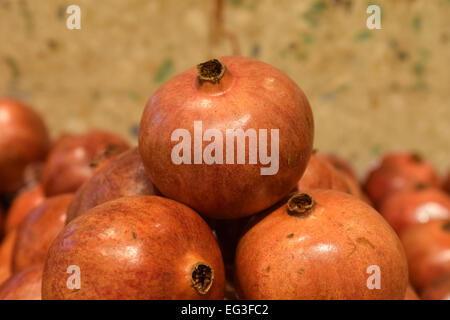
{"x":427,"y":248}
{"x":340,"y":164}
{"x":321,"y":245}
{"x":397,"y":171}
{"x":22,"y":205}
{"x":439,"y":289}
{"x":140,"y":247}
{"x":411,"y":294}
{"x":320,"y":174}
{"x":32,"y":175}
{"x":6,"y":248}
{"x":5,"y":273}
{"x":38,"y":230}
{"x":418,"y":205}
{"x":447,"y":183}
{"x":240,"y":96}
{"x":123,"y":176}
{"x":25,"y":285}
{"x":70,"y":162}
{"x":24,"y":139}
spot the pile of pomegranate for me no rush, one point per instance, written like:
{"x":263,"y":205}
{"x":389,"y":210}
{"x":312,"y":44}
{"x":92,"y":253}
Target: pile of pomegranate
{"x":222,"y":198}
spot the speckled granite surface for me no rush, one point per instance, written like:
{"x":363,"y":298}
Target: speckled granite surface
{"x":371,"y":91}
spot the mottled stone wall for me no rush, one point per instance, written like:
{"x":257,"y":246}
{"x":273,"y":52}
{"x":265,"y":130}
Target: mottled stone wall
{"x":371,"y":91}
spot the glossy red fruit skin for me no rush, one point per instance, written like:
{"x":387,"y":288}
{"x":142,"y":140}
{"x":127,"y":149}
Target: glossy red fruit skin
{"x":38,"y":231}
{"x":24,"y":139}
{"x":123,"y":176}
{"x":427,"y":246}
{"x":25,"y":285}
{"x":141,"y":247}
{"x":69,"y":164}
{"x":439,"y":289}
{"x":320,"y":174}
{"x":252,"y":95}
{"x":411,"y":206}
{"x":397,"y":171}
{"x":321,"y":254}
{"x":22,"y":205}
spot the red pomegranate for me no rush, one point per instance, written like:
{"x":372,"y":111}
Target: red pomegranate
{"x":123,"y":176}
{"x":32,"y":175}
{"x":321,"y":245}
{"x":23,"y":204}
{"x":320,"y":174}
{"x":69,"y":163}
{"x":6,"y":249}
{"x":5,"y":273}
{"x":38,"y":231}
{"x":396,"y":171}
{"x":24,"y":139}
{"x":233,"y":140}
{"x":418,"y":205}
{"x":411,"y":293}
{"x":427,"y":248}
{"x":439,"y":289}
{"x":447,"y":183}
{"x":140,"y":247}
{"x":341,"y":165}
{"x":25,"y":285}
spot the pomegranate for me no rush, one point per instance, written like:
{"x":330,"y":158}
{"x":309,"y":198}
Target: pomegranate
{"x":69,"y":163}
{"x":23,"y":204}
{"x":427,"y":248}
{"x":438,"y":289}
{"x":319,"y":174}
{"x":6,"y":248}
{"x":418,"y":205}
{"x":411,"y":293}
{"x":447,"y":183}
{"x":341,"y":165}
{"x":396,"y":171}
{"x":232,"y":100}
{"x":24,"y":139}
{"x":32,"y":175}
{"x":25,"y":285}
{"x":321,"y":245}
{"x":38,"y":230}
{"x":139,"y":247}
{"x":5,"y":273}
{"x":123,"y":176}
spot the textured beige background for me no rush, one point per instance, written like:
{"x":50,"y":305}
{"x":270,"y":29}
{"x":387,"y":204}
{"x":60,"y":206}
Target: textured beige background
{"x":371,"y":91}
